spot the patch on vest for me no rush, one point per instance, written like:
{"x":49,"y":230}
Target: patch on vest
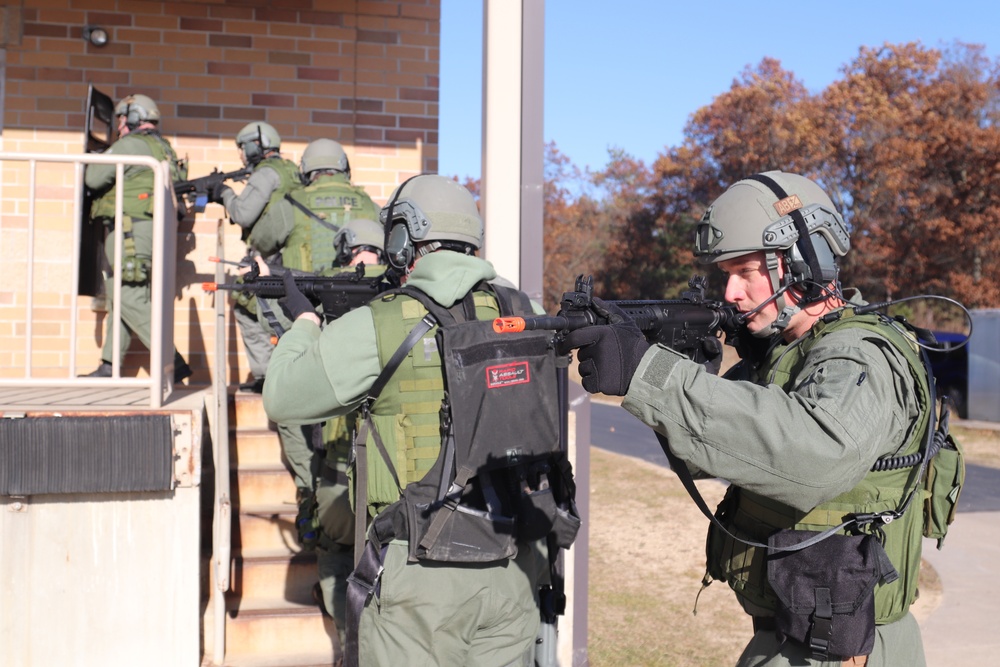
{"x":507,"y":374}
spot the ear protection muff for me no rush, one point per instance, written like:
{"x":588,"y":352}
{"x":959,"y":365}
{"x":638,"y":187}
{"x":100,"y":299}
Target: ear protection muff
{"x":254,"y":150}
{"x":810,"y":265}
{"x":399,"y":250}
{"x":132,"y":118}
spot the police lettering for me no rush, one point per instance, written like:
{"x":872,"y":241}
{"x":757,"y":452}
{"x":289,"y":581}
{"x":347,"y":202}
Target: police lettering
{"x":337,"y":201}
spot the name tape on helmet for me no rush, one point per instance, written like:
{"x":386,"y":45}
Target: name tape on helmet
{"x":787,"y":205}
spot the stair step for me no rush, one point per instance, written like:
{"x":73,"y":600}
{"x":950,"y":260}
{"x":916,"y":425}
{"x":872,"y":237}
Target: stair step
{"x":263,"y":484}
{"x":255,"y":447}
{"x":272,"y":630}
{"x":274,"y":574}
{"x":321,"y":659}
{"x":246,"y":410}
{"x":266,"y":527}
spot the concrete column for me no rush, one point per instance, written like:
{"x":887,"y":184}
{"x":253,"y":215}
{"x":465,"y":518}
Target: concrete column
{"x":513,"y":143}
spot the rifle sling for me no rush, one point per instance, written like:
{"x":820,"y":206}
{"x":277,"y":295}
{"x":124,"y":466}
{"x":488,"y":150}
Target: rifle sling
{"x":305,"y":209}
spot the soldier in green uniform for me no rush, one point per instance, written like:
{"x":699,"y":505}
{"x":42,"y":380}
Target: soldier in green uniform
{"x":799,"y":432}
{"x":298,"y":231}
{"x":428,"y":613}
{"x":264,"y":222}
{"x":322,"y":207}
{"x":138,"y":132}
{"x":327,"y":518}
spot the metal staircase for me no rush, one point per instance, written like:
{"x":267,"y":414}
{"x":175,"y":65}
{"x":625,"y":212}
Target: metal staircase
{"x":271,"y":619}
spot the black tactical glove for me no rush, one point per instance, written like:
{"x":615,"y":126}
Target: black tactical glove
{"x":294,"y":303}
{"x":609,"y":353}
{"x":215,"y":196}
{"x":711,"y":347}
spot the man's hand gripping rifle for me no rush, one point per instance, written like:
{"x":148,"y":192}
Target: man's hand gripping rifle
{"x":689,"y":325}
{"x":200,"y":189}
{"x":337,"y":294}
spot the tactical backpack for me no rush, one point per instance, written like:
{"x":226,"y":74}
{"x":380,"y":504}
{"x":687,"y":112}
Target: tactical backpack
{"x":501,"y":476}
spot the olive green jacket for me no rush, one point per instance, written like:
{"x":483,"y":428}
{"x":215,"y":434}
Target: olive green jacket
{"x":315,"y":375}
{"x":853,"y":401}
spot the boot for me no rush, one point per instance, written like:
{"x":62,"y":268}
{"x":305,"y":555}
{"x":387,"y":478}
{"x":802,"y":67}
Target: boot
{"x":255,"y":386}
{"x":103,"y":371}
{"x":181,"y":370}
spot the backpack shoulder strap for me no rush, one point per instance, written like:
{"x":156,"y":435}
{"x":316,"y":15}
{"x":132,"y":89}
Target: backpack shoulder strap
{"x":512,"y":301}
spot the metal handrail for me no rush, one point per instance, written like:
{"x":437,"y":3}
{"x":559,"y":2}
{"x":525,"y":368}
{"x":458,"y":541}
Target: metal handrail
{"x":222,"y":513}
{"x":160,"y":383}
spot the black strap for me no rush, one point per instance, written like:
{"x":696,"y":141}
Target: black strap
{"x":305,"y":209}
{"x":804,"y":242}
{"x":272,"y":319}
{"x":361,"y":440}
{"x":680,"y":468}
{"x":362,"y":586}
{"x":821,"y":632}
{"x":422,"y":327}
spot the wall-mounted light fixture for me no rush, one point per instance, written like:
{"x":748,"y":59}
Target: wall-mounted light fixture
{"x":95,"y":35}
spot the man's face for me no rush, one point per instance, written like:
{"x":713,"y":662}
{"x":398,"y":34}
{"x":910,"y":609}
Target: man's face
{"x":122,"y":127}
{"x":748,"y":285}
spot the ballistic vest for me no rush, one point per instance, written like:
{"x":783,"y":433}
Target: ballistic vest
{"x":334,"y":200}
{"x":267,"y":233}
{"x":407,"y":412}
{"x":754,"y":517}
{"x":137,"y":201}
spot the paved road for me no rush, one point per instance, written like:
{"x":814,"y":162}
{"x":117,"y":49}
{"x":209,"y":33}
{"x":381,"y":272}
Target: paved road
{"x":961,"y":631}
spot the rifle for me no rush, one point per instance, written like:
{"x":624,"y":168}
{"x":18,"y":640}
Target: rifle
{"x":682,"y":324}
{"x":202,"y":186}
{"x":337,"y":294}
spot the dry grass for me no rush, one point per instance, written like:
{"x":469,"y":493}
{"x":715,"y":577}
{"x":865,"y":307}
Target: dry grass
{"x":981,"y":446}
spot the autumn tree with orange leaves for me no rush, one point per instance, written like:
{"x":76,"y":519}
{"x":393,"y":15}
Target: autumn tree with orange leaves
{"x":906,"y":143}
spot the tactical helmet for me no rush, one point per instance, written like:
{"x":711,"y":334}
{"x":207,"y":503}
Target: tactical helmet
{"x":361,"y":233}
{"x":758,"y":213}
{"x":256,"y":139}
{"x":137,"y":109}
{"x":324,"y":154}
{"x":429,"y":207}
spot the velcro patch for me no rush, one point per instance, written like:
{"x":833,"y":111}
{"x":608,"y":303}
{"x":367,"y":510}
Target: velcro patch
{"x":506,"y":375}
{"x":787,"y":205}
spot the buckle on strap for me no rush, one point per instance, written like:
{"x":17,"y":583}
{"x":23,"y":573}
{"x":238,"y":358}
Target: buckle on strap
{"x":821,"y":631}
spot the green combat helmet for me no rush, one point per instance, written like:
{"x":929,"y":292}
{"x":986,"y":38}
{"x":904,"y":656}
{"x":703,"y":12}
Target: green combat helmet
{"x":256,"y":140}
{"x":768,"y":212}
{"x":356,"y":235}
{"x":137,"y":109}
{"x":430,"y":208}
{"x":325,"y":154}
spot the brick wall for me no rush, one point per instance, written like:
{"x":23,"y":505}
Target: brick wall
{"x":364,"y":73}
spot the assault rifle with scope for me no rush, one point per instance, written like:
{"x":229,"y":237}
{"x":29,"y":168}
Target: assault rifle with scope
{"x":202,"y":186}
{"x":684,"y":324}
{"x":337,"y":294}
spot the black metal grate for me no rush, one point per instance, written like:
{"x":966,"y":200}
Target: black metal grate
{"x":51,"y":455}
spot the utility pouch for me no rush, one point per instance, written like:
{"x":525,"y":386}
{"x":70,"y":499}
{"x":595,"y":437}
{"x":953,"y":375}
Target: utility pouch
{"x":826,"y":592}
{"x":457,"y":530}
{"x":942,"y":487}
{"x":135,"y":270}
{"x":546,"y":506}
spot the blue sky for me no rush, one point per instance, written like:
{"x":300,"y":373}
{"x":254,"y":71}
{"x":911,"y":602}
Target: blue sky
{"x":628,"y":74}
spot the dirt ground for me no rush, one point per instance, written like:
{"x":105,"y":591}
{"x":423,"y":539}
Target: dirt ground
{"x":647,"y":561}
